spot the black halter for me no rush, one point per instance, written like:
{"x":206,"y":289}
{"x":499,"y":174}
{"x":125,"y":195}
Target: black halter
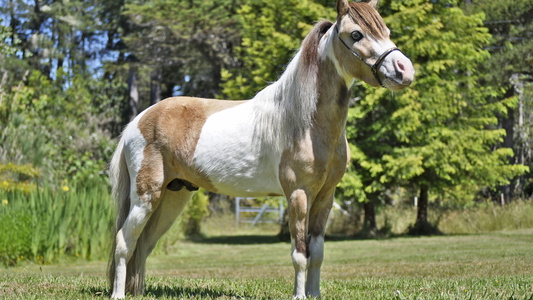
{"x":378,"y":62}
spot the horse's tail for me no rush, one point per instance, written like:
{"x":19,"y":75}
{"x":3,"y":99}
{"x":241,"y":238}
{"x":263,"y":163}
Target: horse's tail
{"x":120,"y":184}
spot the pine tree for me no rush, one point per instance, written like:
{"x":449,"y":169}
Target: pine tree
{"x":511,"y":69}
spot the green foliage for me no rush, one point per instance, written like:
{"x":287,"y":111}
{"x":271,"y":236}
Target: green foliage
{"x":194,"y":214}
{"x":5,"y":49}
{"x":15,"y":236}
{"x":46,"y":225}
{"x":54,"y":130}
{"x":182,"y":45}
{"x":64,"y":90}
{"x":511,"y":24}
{"x":510,"y":68}
{"x":271,"y":33}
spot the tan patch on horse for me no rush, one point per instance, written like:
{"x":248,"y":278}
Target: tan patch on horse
{"x":297,"y":216}
{"x":172,"y":128}
{"x":150,"y":176}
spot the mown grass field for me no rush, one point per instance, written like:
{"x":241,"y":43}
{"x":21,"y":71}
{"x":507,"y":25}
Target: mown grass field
{"x":483,"y":266}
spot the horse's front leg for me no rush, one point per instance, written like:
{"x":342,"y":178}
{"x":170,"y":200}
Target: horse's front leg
{"x":318,"y":216}
{"x":298,"y":217}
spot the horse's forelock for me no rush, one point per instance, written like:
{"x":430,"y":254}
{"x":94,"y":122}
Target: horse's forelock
{"x":369,"y":19}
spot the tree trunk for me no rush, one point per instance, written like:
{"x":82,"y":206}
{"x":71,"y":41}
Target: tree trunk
{"x":369,"y":223}
{"x":422,"y":213}
{"x":155,"y":86}
{"x":133,"y":92}
{"x":508,"y":123}
{"x":422,"y":225}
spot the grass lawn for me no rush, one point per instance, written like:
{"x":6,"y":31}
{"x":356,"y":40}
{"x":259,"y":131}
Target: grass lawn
{"x":485,"y":266}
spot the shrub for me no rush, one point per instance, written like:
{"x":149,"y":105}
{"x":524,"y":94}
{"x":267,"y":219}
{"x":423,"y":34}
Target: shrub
{"x":15,"y":236}
{"x":193,"y":215}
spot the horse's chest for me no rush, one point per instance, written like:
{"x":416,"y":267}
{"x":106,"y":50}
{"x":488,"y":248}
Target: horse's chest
{"x":314,"y":163}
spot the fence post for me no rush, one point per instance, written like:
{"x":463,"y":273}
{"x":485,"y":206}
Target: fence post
{"x":261,"y":212}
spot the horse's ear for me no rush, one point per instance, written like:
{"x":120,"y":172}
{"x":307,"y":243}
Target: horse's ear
{"x":373,"y":3}
{"x":342,"y":8}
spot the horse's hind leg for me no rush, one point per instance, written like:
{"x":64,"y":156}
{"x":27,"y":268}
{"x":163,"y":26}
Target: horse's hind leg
{"x":171,"y":206}
{"x":126,"y":240}
{"x":145,"y":194}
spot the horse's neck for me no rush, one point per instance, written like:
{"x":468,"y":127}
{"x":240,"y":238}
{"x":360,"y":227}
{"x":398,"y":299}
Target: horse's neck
{"x":301,"y":99}
{"x":285,"y":109}
{"x":333,"y":99}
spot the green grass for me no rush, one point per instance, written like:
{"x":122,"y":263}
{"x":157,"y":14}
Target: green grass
{"x":483,"y":266}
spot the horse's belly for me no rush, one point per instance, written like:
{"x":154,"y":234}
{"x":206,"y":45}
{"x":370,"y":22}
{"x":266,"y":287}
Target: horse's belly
{"x":234,"y":162}
{"x":239,"y":173}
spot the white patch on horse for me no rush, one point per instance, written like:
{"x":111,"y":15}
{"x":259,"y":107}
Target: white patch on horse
{"x":299,"y":261}
{"x":134,"y":144}
{"x":234,"y":158}
{"x":325,"y":50}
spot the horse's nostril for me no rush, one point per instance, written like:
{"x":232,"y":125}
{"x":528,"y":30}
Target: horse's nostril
{"x":401,"y":66}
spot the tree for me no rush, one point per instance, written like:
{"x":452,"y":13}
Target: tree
{"x":182,"y":46}
{"x":511,"y":69}
{"x":440,"y":134}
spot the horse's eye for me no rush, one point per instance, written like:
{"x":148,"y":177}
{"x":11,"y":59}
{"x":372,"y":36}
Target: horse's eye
{"x":357,"y":35}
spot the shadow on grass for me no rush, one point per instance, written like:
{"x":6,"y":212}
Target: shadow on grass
{"x":274,"y":239}
{"x":96,"y":291}
{"x":170,"y":292}
{"x":188,"y":292}
{"x":240,"y":240}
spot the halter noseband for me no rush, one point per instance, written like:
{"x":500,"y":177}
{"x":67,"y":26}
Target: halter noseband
{"x":378,"y":62}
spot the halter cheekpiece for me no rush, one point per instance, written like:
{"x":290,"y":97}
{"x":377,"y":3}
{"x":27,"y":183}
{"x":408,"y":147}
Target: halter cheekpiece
{"x":378,"y":62}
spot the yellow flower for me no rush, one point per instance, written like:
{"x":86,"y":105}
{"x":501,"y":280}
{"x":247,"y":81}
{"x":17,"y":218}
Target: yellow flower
{"x":5,"y":202}
{"x":5,"y":183}
{"x":65,"y":188}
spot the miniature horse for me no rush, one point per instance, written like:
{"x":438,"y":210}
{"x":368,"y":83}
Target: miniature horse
{"x":288,"y":140}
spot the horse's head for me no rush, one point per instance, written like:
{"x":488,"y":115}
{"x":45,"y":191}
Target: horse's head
{"x":364,"y":49}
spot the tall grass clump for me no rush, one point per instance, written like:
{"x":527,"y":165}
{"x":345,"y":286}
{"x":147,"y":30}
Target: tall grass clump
{"x":49,"y":224}
{"x":488,"y":217}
